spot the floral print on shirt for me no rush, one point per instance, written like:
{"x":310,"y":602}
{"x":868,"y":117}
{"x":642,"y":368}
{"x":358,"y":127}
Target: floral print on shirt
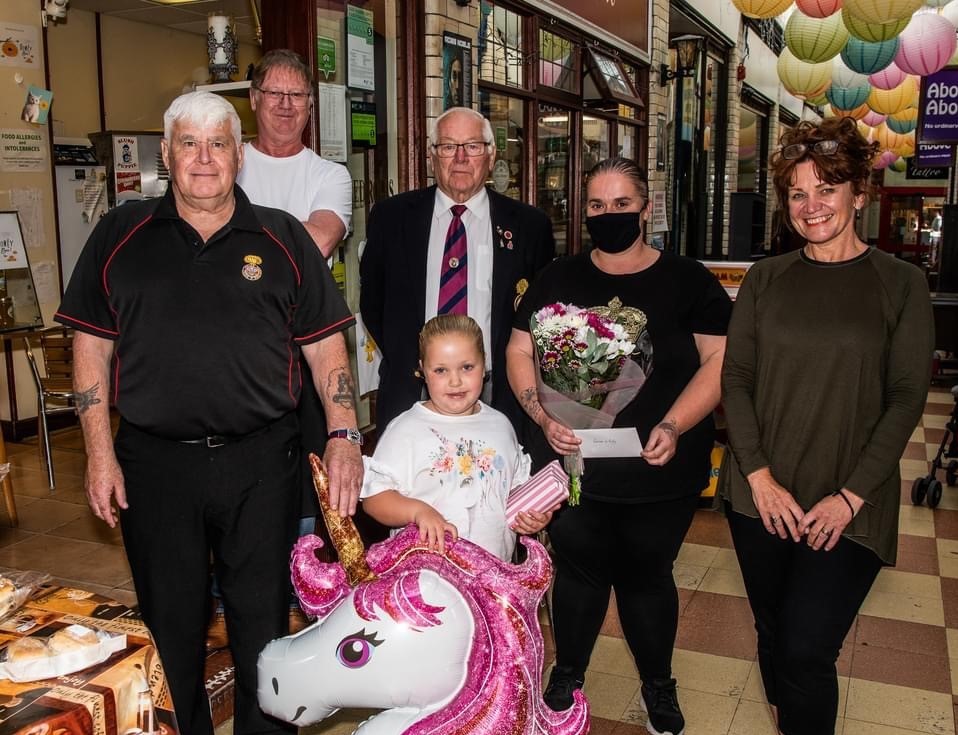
{"x":467,"y":461}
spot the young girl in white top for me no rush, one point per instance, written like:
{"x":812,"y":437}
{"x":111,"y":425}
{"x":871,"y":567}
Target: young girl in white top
{"x":448,"y":463}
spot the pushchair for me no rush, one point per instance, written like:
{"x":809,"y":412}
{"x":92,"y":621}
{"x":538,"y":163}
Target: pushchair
{"x":928,"y":488}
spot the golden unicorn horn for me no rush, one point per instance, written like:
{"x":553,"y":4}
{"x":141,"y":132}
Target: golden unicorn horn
{"x":342,"y":530}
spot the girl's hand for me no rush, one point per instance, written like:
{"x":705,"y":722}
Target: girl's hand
{"x":561,"y":438}
{"x":776,"y":506}
{"x":529,"y":522}
{"x":433,"y":527}
{"x":826,"y":520}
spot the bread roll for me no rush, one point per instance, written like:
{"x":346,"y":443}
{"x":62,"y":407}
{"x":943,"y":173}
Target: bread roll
{"x":7,"y":595}
{"x":73,"y":638}
{"x":27,"y":649}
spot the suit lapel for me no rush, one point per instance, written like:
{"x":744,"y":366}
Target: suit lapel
{"x":502,"y":214}
{"x":417,"y":248}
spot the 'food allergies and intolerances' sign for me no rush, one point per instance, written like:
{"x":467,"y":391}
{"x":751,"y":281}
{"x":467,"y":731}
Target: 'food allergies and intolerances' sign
{"x":938,"y":107}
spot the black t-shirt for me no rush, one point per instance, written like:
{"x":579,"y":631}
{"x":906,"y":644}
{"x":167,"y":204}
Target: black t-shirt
{"x":207,"y":335}
{"x":680,"y":298}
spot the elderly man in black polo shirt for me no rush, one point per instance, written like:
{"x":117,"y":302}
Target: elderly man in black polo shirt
{"x":191,"y":312}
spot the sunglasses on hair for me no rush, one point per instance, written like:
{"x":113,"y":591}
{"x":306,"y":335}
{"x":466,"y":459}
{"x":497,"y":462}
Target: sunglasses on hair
{"x":797,"y":150}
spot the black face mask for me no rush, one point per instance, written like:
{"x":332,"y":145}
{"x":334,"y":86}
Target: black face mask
{"x":614,"y":232}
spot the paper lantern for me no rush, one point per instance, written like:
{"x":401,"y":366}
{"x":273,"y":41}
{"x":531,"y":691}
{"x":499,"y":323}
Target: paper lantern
{"x":868,"y":133}
{"x":819,"y":8}
{"x":848,"y":98}
{"x":903,"y":122}
{"x":815,"y":39}
{"x":881,"y":11}
{"x":950,"y":11}
{"x":890,"y":101}
{"x":801,"y":78}
{"x":819,"y":100}
{"x":906,"y":145}
{"x":926,"y":44}
{"x":762,"y":8}
{"x":889,"y":77}
{"x":884,"y":159}
{"x":871,"y":31}
{"x":898,"y":165}
{"x":873,"y":118}
{"x":842,"y":76}
{"x":936,"y":3}
{"x":866,"y":57}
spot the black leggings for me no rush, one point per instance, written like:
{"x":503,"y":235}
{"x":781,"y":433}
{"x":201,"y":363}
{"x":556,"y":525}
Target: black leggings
{"x":629,"y":548}
{"x":804,"y":603}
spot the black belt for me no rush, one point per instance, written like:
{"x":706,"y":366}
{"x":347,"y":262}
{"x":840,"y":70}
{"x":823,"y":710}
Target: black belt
{"x":220,"y":440}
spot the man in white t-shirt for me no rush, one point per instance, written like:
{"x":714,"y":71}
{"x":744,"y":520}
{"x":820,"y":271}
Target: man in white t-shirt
{"x":278,"y":170}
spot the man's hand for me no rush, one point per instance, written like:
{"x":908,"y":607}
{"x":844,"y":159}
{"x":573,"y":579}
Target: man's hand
{"x":103,"y":483}
{"x":344,"y":463}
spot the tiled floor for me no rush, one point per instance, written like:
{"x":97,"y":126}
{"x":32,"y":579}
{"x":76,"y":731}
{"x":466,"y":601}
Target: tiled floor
{"x":899,"y":666}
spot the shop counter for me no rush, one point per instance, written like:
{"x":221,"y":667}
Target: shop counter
{"x":125,"y":695}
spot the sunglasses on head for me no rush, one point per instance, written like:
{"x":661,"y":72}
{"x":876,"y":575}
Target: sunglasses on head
{"x":797,"y":150}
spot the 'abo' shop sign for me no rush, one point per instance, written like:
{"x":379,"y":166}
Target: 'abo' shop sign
{"x":938,"y":107}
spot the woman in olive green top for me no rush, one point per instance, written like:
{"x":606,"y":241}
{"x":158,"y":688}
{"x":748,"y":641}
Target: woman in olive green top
{"x":825,"y":377}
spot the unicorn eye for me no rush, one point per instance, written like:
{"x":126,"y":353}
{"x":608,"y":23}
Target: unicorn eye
{"x":355,"y":650}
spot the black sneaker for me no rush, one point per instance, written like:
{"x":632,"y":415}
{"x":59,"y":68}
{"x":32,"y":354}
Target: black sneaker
{"x":662,"y":703}
{"x":562,"y":682}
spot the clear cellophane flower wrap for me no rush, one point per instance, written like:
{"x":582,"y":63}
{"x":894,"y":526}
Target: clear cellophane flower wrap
{"x":594,"y":369}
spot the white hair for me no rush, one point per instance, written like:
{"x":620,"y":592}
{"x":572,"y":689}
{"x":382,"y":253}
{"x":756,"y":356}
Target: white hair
{"x":204,"y":109}
{"x":487,"y":135}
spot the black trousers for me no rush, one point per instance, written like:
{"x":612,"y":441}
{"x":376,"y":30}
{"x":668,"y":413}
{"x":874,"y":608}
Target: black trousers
{"x":804,"y":603}
{"x":239,"y":502}
{"x":629,"y":548}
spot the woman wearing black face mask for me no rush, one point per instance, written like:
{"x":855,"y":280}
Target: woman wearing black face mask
{"x":635,"y":511}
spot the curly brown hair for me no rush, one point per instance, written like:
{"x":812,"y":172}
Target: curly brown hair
{"x":852,"y":161}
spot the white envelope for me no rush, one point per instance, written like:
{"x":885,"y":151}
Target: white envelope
{"x":598,"y":443}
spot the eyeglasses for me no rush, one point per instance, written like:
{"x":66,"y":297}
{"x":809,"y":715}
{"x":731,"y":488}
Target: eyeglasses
{"x":275,"y":97}
{"x":797,"y":150}
{"x":472,"y":149}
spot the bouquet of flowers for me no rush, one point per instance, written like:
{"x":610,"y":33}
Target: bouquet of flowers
{"x":592,"y":363}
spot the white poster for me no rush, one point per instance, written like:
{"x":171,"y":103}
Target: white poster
{"x":23,"y":150}
{"x":19,"y":45}
{"x":126,"y":157}
{"x":660,"y":219}
{"x":359,"y":47}
{"x":13,"y":254}
{"x":333,"y":135}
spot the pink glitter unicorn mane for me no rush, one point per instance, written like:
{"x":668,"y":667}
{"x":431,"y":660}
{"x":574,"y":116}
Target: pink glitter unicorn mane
{"x":502,"y":689}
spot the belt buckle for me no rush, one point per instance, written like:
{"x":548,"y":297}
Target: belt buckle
{"x":212,"y":442}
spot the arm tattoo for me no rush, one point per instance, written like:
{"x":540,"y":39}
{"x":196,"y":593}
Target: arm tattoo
{"x":670,"y":426}
{"x":85,"y":399}
{"x":340,"y":388}
{"x":529,"y":398}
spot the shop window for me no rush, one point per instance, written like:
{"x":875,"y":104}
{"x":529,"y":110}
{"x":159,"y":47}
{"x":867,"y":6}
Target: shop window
{"x":552,"y":177}
{"x":608,"y":81}
{"x":500,"y":48}
{"x":505,"y":115}
{"x":713,"y":149}
{"x":628,"y":142}
{"x":595,"y":148}
{"x":557,"y":62}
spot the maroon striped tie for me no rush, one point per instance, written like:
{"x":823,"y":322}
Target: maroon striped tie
{"x":454,"y":282}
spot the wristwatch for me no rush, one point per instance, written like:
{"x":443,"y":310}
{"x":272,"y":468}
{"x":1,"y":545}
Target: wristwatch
{"x":353,"y":436}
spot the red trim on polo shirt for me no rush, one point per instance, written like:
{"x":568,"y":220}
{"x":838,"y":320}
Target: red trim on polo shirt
{"x":299,"y":279}
{"x":61,"y":315}
{"x":122,"y":242}
{"x":331,"y":328}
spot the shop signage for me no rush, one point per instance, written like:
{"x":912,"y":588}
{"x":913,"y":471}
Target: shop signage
{"x":359,"y":45}
{"x":914,"y":171}
{"x":363,"y":123}
{"x":729,"y":273}
{"x":456,"y":71}
{"x":935,"y":154}
{"x":938,"y":107}
{"x":326,"y":56}
{"x":22,"y":150}
{"x":660,"y":219}
{"x":625,"y":19}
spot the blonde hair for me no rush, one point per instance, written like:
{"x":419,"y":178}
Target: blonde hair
{"x":440,"y":326}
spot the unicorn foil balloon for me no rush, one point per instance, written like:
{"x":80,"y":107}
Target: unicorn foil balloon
{"x":444,"y":644}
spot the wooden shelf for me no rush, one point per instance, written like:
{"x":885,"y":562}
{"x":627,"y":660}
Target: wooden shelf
{"x":227,"y":89}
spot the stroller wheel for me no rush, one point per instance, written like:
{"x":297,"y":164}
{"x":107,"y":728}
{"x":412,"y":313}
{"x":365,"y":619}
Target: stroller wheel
{"x":934,"y":493}
{"x":918,"y":489}
{"x":951,"y":473}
